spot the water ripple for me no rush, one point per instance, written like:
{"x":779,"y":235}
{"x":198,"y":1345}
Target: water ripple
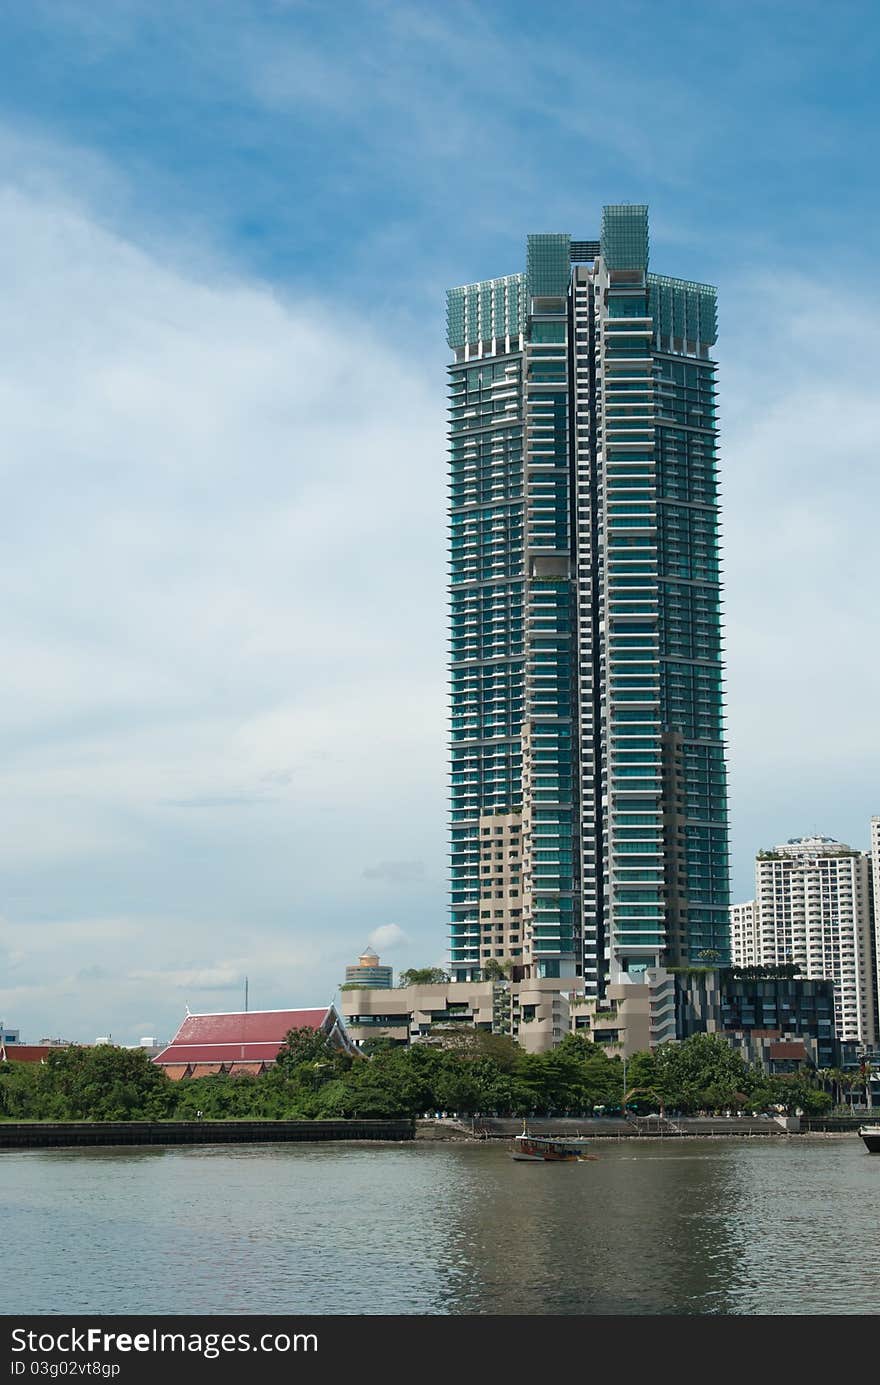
{"x":782,"y":1226}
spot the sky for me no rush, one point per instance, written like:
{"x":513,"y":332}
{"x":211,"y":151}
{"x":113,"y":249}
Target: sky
{"x":226,"y":229}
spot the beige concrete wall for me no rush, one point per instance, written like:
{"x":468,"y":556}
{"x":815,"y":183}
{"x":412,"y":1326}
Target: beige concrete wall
{"x":639,"y":1016}
{"x":550,"y":1009}
{"x":498,"y":1006}
{"x":501,"y":888}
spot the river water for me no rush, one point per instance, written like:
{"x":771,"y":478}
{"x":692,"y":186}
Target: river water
{"x":674,"y":1226}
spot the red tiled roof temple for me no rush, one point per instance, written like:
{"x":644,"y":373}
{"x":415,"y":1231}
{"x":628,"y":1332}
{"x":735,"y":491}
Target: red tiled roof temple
{"x":255,"y":1036}
{"x":25,"y":1053}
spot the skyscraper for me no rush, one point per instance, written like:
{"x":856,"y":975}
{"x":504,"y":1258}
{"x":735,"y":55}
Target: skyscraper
{"x":588,"y":788}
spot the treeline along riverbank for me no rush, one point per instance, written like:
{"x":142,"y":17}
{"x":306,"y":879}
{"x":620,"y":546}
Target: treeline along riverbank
{"x":466,"y":1073}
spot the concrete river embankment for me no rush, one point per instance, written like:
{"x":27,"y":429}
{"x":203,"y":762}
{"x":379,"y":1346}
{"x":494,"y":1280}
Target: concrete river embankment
{"x":46,"y":1134}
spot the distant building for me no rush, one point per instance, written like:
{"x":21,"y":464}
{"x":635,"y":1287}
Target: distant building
{"x":813,"y":907}
{"x":744,"y":942}
{"x":9,"y":1036}
{"x":25,"y":1053}
{"x":368,"y":972}
{"x":875,"y":915}
{"x":242,"y":1041}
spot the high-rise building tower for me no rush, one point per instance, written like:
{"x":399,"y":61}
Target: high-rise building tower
{"x":812,"y":896}
{"x":874,"y":883}
{"x":589,"y":803}
{"x":745,"y":946}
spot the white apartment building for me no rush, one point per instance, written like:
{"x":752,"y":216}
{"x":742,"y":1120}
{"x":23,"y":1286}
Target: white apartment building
{"x":875,"y":913}
{"x":813,"y":906}
{"x":744,"y":948}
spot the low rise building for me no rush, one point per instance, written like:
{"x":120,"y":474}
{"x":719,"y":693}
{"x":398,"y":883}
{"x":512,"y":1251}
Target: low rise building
{"x":535,"y":1013}
{"x":636,"y":1013}
{"x":760,"y":1010}
{"x":235,"y":1042}
{"x":777,"y":1020}
{"x":25,"y":1053}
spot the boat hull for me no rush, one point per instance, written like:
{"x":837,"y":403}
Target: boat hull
{"x":534,"y":1150}
{"x":871,"y":1138}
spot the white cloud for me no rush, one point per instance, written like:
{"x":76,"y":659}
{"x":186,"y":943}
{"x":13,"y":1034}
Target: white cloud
{"x":396,"y":872}
{"x":222,"y":610}
{"x":221,"y":589}
{"x":196,"y":979}
{"x":800,"y":421}
{"x":387,"y":937}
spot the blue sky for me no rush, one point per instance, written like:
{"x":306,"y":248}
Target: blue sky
{"x":222,"y":721}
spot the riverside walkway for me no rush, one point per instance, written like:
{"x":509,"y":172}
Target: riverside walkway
{"x":611,"y":1127}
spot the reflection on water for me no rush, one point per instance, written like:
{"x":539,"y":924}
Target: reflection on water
{"x":737,"y":1226}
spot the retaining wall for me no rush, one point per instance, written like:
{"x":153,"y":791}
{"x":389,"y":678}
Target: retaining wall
{"x":44,"y":1134}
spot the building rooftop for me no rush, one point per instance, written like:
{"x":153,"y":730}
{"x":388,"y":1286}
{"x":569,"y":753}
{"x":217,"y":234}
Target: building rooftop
{"x":788,"y":1048}
{"x":25,"y":1053}
{"x":242,"y":1036}
{"x":814,"y":845}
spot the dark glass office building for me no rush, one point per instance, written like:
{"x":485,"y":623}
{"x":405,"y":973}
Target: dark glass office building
{"x":777,"y":1009}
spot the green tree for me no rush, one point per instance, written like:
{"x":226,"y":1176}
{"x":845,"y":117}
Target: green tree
{"x":703,"y":1072}
{"x":22,"y":1094}
{"x":474,"y":1044}
{"x":495,"y":969}
{"x":378,"y":1043}
{"x":795,"y":1091}
{"x":77,"y":1083}
{"x":423,"y":976}
{"x":308,"y":1056}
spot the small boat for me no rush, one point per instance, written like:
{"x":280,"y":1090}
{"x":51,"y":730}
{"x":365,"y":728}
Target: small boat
{"x":535,"y":1149}
{"x":871,"y":1136}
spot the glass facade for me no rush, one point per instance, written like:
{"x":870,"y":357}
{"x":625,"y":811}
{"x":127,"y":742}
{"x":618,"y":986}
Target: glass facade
{"x":774,"y":1007}
{"x":587,"y":710}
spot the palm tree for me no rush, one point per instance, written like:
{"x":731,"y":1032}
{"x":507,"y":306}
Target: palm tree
{"x":836,"y":1077}
{"x":848,"y":1082}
